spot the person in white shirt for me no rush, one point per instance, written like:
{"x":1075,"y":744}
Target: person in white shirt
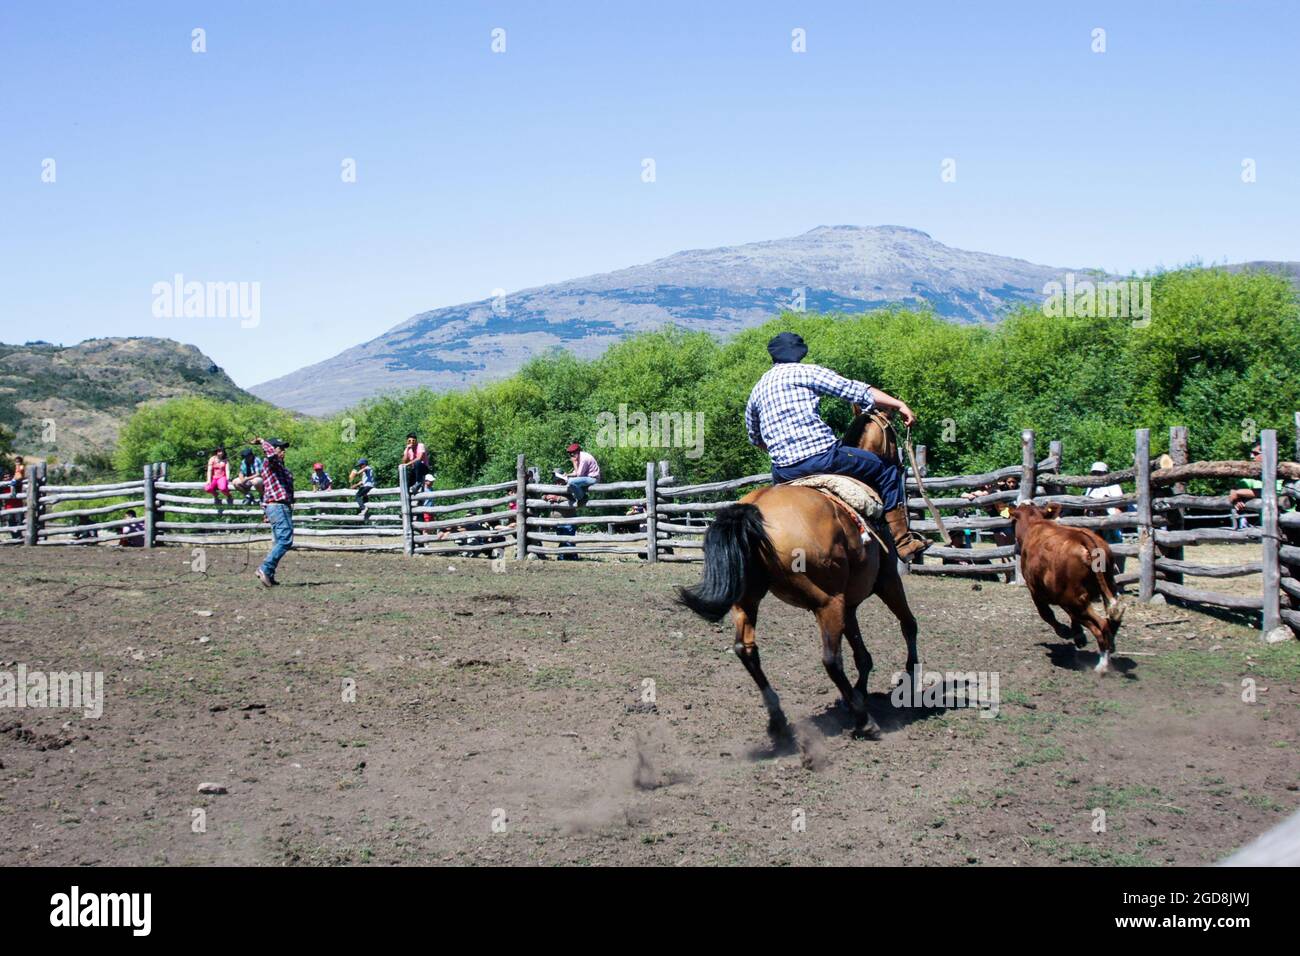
{"x":1110,"y":535}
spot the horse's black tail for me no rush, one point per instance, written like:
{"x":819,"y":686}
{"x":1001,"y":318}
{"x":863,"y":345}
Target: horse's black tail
{"x":734,"y":550}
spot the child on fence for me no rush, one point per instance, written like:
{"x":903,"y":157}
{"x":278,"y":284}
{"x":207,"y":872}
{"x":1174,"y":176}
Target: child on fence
{"x":12,"y":486}
{"x":218,"y":477}
{"x":249,"y":478}
{"x":320,"y":479}
{"x":362,"y":478}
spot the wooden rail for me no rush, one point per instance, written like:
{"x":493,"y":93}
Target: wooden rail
{"x":660,"y":519}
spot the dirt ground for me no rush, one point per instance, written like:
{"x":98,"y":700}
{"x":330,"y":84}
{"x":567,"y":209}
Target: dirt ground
{"x":503,"y":717}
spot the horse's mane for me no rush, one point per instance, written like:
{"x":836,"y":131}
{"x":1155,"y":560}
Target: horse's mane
{"x":853,"y":434}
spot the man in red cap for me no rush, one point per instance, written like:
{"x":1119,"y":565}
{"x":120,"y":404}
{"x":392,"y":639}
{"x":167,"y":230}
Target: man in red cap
{"x":585,"y":473}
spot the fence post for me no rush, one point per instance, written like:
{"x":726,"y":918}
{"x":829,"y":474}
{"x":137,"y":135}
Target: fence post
{"x":923,"y":466}
{"x":1028,"y":482}
{"x":1054,"y":451}
{"x":150,"y":507}
{"x":1146,"y":533}
{"x":1297,"y":436}
{"x":35,"y":478}
{"x":1271,"y":618}
{"x":651,"y":531}
{"x":408,"y":530}
{"x":521,"y":508}
{"x":1174,"y":516}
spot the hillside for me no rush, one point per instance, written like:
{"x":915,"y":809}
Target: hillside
{"x":89,"y":390}
{"x":839,"y":268}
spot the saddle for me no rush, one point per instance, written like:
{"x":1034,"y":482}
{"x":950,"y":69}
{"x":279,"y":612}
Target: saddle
{"x":856,"y":497}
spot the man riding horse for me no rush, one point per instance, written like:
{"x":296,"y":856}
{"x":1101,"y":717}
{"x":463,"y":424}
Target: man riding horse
{"x":782,"y":419}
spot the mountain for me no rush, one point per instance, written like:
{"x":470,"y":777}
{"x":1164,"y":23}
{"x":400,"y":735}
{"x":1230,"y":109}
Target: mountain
{"x":88,"y":390}
{"x":840,"y":268}
{"x":1288,"y":270}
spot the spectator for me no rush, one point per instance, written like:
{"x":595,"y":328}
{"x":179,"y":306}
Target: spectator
{"x":362,"y":478}
{"x":249,"y":478}
{"x":585,"y":473}
{"x":83,"y":520}
{"x":133,"y":532}
{"x":1109,"y":535}
{"x":12,"y":488}
{"x":416,"y":459}
{"x":1249,"y":489}
{"x":219,"y":477}
{"x":277,"y":504}
{"x":320,"y":479}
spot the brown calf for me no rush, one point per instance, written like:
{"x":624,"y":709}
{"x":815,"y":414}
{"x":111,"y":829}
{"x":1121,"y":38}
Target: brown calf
{"x":1069,"y":567}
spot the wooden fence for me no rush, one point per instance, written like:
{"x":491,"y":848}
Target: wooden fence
{"x":1156,"y":519}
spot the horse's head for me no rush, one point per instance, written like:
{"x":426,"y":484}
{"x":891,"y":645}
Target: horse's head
{"x":872,"y":431}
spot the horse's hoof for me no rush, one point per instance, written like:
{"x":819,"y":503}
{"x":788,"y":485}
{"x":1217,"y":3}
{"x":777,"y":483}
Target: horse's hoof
{"x":778,"y":727}
{"x":868,"y":731}
{"x":1080,"y":641}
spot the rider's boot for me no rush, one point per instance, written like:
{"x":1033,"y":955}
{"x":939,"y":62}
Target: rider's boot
{"x":909,"y":544}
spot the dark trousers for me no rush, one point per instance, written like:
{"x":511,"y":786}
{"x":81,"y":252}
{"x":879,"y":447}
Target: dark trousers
{"x":415,"y":472}
{"x":885,"y":476}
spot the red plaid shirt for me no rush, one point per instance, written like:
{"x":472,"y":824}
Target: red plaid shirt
{"x":277,"y":481}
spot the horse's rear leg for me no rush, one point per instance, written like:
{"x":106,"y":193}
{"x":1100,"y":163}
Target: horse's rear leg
{"x":890,"y":590}
{"x":745,"y":615}
{"x":831,"y":621}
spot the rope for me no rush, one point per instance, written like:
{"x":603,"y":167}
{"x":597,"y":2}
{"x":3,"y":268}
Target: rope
{"x":911,"y":456}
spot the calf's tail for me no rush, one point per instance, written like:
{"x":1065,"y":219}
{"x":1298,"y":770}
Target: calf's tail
{"x":1110,"y":593}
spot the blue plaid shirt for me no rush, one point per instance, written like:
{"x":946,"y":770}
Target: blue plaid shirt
{"x":782,"y":410}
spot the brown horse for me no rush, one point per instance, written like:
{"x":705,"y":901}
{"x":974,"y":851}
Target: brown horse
{"x":806,"y":549}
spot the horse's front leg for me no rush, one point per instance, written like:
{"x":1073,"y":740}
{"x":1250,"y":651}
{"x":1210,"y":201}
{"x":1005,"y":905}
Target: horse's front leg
{"x":831,"y":621}
{"x":890,"y":590}
{"x":861,"y":656}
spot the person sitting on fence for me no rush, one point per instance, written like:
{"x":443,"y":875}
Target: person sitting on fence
{"x":19,"y":488}
{"x":585,"y":473}
{"x":1004,"y":537}
{"x":219,"y":477}
{"x":1109,"y":535}
{"x":320,"y":479}
{"x":781,"y":417}
{"x":416,"y":459}
{"x":12,"y":486}
{"x":277,"y":504}
{"x":362,"y":478}
{"x":249,"y":478}
{"x":1250,"y":489}
{"x":133,"y":533}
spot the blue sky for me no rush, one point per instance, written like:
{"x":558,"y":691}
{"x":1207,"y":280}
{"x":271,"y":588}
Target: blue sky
{"x":478,"y":171}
